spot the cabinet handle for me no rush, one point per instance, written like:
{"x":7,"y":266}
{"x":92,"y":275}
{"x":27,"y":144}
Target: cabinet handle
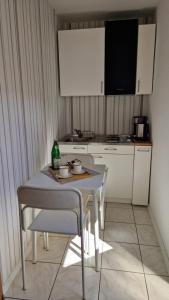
{"x":101,"y":87}
{"x":98,"y":156}
{"x":138,"y":86}
{"x":110,"y":149}
{"x":142,"y":150}
{"x":82,"y":148}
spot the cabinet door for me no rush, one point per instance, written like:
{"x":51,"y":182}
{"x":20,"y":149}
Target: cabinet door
{"x":141,"y":175}
{"x":81,"y":62}
{"x":145,"y":58}
{"x":120,"y":175}
{"x":120,"y":57}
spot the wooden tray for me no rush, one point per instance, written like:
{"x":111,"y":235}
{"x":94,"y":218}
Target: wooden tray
{"x":55,"y":175}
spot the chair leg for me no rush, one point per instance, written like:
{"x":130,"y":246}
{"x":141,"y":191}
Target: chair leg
{"x":44,"y":240}
{"x":47,"y":241}
{"x":22,"y":250}
{"x":101,"y":209}
{"x":102,"y":215}
{"x":89,"y":231}
{"x":83,"y":272}
{"x":34,"y":247}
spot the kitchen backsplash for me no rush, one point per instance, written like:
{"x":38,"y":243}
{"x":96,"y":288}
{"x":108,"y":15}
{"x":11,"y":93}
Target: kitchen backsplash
{"x":110,"y":115}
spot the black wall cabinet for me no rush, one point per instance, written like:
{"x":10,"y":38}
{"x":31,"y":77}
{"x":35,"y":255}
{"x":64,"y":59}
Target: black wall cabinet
{"x":120,"y":57}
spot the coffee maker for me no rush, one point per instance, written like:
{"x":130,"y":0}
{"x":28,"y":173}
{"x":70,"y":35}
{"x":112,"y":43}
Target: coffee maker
{"x":140,"y":128}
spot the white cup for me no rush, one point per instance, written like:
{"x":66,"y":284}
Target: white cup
{"x":77,"y":167}
{"x":64,"y":171}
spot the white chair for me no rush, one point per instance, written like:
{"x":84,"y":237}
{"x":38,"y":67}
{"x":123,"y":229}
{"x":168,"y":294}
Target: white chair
{"x":87,"y":161}
{"x":62,"y":211}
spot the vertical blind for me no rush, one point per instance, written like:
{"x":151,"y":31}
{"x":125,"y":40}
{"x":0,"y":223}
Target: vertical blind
{"x":28,"y":108}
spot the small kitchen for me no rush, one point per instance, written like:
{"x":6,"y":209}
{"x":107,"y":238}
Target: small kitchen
{"x":84,"y":85}
{"x":111,"y":65}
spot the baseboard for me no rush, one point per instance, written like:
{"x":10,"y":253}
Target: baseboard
{"x":160,"y":240}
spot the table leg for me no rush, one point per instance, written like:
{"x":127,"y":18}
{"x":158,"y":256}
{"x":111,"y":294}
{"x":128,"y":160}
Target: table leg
{"x":96,"y":232}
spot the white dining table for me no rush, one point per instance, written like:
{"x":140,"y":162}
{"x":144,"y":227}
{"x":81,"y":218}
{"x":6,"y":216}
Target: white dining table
{"x":91,"y":185}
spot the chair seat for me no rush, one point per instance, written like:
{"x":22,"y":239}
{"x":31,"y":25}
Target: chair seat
{"x":55,"y":221}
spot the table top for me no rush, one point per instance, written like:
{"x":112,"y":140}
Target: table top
{"x":40,"y":180}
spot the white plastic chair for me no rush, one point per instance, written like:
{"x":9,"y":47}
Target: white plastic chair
{"x":61,"y":212}
{"x":87,"y":161}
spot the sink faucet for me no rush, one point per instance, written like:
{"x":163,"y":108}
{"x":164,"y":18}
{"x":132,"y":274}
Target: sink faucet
{"x":77,"y":133}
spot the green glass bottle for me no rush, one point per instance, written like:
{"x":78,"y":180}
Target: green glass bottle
{"x":55,"y":156}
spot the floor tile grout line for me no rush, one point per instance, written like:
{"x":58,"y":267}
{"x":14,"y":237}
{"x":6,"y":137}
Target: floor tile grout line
{"x":148,"y":245}
{"x":141,"y":257}
{"x":16,"y":298}
{"x":112,"y":221}
{"x":135,"y":272}
{"x":108,"y":241}
{"x":44,"y":262}
{"x":125,"y":271}
{"x":58,"y":271}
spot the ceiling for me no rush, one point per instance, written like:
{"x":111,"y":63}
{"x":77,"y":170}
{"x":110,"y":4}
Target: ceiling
{"x":92,"y":6}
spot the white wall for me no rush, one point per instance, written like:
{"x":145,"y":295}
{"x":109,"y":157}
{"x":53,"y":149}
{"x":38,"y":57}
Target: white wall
{"x":28,"y":109}
{"x":159,"y":193}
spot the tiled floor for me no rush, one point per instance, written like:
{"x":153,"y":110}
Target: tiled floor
{"x":131,"y":263}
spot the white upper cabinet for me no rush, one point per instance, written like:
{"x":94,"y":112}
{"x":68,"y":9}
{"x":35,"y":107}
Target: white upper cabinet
{"x":145,"y":59}
{"x":81,"y":62}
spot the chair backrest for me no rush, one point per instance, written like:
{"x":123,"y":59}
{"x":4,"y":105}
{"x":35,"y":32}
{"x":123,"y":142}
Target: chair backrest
{"x":86,"y":159}
{"x":64,"y":199}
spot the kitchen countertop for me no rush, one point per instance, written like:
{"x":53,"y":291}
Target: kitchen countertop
{"x":102,"y":140}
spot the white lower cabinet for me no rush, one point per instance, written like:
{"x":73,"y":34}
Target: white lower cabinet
{"x":128,"y":169}
{"x":120,"y":176}
{"x":142,"y":161}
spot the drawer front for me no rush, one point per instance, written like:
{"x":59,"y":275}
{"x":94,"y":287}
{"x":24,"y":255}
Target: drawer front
{"x":110,"y":149}
{"x":73,"y":148}
{"x":143,"y":149}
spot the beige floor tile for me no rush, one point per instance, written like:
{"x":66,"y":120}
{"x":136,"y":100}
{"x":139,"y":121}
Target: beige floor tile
{"x":153,"y":260}
{"x":73,"y":253}
{"x":120,"y":232}
{"x":57,"y":246}
{"x":158,"y":287}
{"x":142,"y":216}
{"x":146,"y":235}
{"x":68,"y":284}
{"x":122,"y":256}
{"x":118,"y":285}
{"x":118,"y":214}
{"x":39,"y":280}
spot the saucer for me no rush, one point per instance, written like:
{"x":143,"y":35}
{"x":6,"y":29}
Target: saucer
{"x":64,"y":177}
{"x":78,"y":173}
